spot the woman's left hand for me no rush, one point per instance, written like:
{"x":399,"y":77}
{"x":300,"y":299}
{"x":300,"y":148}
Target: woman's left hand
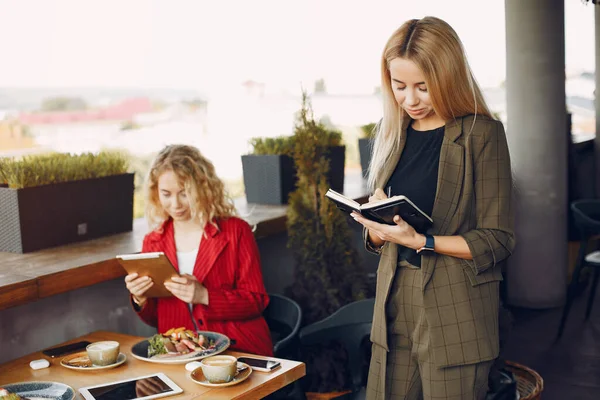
{"x":187,"y":288}
{"x":402,"y":233}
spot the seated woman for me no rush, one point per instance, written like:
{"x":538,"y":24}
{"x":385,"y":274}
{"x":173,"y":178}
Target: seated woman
{"x":216,"y":254}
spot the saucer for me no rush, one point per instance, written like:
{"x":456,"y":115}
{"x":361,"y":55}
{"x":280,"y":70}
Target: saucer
{"x":198,"y":377}
{"x":81,"y":362}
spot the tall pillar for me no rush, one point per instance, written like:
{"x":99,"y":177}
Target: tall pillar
{"x":596,"y":94}
{"x":536,"y":108}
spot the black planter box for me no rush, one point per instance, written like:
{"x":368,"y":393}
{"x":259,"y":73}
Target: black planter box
{"x":269,"y":179}
{"x":52,"y":215}
{"x":364,"y":150}
{"x":337,"y":164}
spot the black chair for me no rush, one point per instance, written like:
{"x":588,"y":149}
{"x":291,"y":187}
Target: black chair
{"x":350,"y":326}
{"x":284,"y":315}
{"x":586,"y":214}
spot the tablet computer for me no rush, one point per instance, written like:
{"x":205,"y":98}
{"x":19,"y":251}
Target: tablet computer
{"x":144,"y":387}
{"x":155,"y":265}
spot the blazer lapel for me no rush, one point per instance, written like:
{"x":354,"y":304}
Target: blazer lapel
{"x":449,"y":186}
{"x":211,"y":246}
{"x":168,"y":245}
{"x":387,"y":269}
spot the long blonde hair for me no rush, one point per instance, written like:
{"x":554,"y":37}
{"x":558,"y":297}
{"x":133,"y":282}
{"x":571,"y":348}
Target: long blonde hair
{"x":196,"y":174}
{"x":436,"y":49}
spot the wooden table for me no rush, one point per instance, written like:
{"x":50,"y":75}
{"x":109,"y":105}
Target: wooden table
{"x":257,"y":386}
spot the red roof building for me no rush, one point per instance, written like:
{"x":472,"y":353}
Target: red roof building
{"x":122,"y":111}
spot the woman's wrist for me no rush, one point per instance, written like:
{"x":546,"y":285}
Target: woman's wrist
{"x":205,"y":296}
{"x":374,"y":248}
{"x":418,"y":242}
{"x":139,"y":302}
{"x":202,"y":296}
{"x":375,"y":242}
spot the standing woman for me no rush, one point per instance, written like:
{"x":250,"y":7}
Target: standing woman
{"x":435,"y":324}
{"x":214,"y":251}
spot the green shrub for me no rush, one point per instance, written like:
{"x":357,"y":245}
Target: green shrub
{"x":328,"y":272}
{"x":368,"y":130}
{"x":285,"y":145}
{"x":281,"y":145}
{"x":60,"y":167}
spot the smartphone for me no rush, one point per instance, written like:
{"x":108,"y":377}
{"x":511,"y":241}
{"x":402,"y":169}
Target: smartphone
{"x":66,"y":349}
{"x":260,"y":364}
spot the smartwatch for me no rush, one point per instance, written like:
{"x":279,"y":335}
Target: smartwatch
{"x":429,"y":243}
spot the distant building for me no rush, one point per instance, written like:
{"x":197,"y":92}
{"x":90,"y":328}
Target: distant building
{"x":123,"y":111}
{"x":253,"y":88}
{"x":14,"y":136}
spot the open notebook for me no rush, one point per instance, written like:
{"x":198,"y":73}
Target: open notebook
{"x":383,"y":211}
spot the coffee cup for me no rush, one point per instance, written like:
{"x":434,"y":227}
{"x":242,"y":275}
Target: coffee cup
{"x":103,"y":353}
{"x":219,"y":369}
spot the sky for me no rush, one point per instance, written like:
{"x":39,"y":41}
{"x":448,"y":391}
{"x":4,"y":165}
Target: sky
{"x":210,"y":45}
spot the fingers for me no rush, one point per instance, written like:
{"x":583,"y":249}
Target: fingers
{"x":390,"y":233}
{"x":367,"y":223}
{"x":130,"y":277}
{"x":142,"y":289}
{"x":182,"y":292}
{"x":379,"y":194}
{"x":139,"y":286}
{"x":183,"y":279}
{"x":190,"y":277}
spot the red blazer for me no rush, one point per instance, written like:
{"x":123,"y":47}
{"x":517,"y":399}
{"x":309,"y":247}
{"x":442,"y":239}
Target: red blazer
{"x":228,"y":265}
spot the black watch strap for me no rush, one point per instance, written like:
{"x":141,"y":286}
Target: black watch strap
{"x":429,"y":243}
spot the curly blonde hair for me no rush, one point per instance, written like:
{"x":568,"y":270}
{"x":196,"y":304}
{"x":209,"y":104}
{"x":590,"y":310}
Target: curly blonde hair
{"x":196,"y":174}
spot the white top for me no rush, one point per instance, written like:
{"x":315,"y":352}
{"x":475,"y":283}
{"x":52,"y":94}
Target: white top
{"x":186,"y":261}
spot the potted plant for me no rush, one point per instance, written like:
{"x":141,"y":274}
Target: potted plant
{"x":270,"y":174}
{"x":365,"y":146}
{"x":55,"y":199}
{"x":328,"y":273}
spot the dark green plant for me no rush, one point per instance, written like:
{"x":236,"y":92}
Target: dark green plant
{"x":368,"y":130}
{"x":129,"y":125}
{"x":328,"y":273}
{"x":281,"y":145}
{"x":59,"y":167}
{"x":64,"y":104}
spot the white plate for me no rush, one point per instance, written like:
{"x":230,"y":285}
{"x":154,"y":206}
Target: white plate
{"x":41,"y":390}
{"x":86,"y":365}
{"x":140,"y":350}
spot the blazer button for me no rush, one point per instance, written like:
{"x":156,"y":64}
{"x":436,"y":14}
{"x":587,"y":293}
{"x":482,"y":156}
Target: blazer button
{"x":200,"y":322}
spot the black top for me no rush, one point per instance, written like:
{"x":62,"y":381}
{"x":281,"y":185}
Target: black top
{"x":416,"y":176}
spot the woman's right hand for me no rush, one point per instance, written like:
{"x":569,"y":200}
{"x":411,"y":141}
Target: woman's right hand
{"x":137,"y":286}
{"x":379,"y":195}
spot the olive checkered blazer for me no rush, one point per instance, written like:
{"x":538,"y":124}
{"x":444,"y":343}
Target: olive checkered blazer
{"x":473,"y":199}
